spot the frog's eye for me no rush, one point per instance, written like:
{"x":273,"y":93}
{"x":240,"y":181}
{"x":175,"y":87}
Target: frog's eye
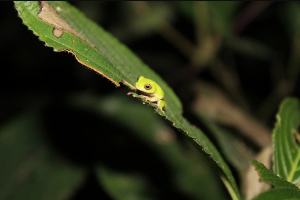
{"x":147,"y":86}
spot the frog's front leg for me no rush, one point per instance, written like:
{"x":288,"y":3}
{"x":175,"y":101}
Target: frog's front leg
{"x":151,"y":99}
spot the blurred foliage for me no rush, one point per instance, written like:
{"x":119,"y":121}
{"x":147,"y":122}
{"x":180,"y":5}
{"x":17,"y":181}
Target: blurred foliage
{"x":286,"y":159}
{"x":247,"y":50}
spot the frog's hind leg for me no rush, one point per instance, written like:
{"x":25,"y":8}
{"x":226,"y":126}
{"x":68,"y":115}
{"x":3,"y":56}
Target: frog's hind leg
{"x":161,"y":105}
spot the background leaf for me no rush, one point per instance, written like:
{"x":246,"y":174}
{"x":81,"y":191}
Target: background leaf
{"x":280,"y":194}
{"x":286,"y":146}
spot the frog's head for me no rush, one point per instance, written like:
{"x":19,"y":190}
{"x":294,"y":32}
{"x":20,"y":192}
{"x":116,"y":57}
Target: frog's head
{"x":145,"y":85}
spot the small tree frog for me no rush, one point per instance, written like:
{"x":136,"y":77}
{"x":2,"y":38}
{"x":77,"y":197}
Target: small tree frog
{"x":151,"y":91}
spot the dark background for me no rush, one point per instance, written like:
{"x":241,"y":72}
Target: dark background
{"x":33,"y":75}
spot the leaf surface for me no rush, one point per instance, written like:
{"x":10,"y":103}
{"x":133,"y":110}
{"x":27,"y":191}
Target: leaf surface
{"x":269,"y":177}
{"x":280,"y":194}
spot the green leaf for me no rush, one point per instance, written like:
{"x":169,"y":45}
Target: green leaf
{"x":269,"y":177}
{"x":29,"y":167}
{"x":100,"y":51}
{"x":286,"y":146}
{"x":96,"y":48}
{"x":280,"y":194}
